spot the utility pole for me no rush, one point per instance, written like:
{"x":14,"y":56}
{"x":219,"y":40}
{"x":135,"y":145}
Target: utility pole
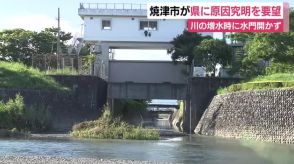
{"x":188,"y":95}
{"x":58,"y":40}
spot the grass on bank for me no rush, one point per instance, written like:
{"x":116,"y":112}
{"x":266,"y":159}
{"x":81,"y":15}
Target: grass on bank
{"x":17,"y":75}
{"x":273,"y":81}
{"x":107,"y":127}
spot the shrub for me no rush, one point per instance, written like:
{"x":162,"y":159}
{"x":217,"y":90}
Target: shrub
{"x":108,"y":127}
{"x":279,"y":68}
{"x":13,"y":114}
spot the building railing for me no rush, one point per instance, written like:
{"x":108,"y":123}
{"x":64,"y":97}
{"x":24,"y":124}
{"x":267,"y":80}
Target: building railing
{"x":122,"y":6}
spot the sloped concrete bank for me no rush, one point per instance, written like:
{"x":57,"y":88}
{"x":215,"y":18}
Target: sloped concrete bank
{"x":258,"y":115}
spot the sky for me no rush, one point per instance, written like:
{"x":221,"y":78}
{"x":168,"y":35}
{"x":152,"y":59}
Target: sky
{"x":38,"y":14}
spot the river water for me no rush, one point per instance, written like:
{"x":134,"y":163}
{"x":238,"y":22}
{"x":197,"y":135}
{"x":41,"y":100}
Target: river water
{"x":206,"y":150}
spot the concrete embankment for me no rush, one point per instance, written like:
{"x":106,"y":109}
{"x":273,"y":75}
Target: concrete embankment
{"x":84,"y":102}
{"x":258,"y":115}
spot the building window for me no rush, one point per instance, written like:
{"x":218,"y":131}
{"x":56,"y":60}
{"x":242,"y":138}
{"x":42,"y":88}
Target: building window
{"x":148,"y":25}
{"x":106,"y":25}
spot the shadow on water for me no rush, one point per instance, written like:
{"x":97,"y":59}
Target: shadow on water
{"x":206,"y":150}
{"x":274,"y":153}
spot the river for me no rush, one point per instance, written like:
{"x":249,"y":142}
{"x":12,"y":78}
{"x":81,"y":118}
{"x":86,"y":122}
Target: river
{"x":204,"y":150}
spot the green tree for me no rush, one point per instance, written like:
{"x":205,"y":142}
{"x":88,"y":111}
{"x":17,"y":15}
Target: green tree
{"x":53,"y":34}
{"x":275,"y":47}
{"x":291,"y":20}
{"x":266,"y":48}
{"x":183,"y":46}
{"x":16,"y":45}
{"x":211,"y":52}
{"x":20,"y":45}
{"x":263,"y":49}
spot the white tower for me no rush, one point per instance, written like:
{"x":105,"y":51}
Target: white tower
{"x":109,"y":25}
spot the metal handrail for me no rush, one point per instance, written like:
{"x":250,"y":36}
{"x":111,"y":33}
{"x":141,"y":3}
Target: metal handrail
{"x":124,"y":6}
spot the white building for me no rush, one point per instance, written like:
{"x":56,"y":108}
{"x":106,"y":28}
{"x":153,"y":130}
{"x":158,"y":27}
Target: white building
{"x":126,"y":26}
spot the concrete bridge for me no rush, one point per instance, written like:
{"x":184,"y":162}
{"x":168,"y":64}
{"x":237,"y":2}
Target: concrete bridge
{"x":146,"y":80}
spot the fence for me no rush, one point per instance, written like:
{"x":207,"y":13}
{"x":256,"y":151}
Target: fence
{"x":66,"y":64}
{"x":122,"y":6}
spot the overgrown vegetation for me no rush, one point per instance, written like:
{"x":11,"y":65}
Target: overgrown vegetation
{"x":86,"y":67}
{"x":268,"y":62}
{"x":65,"y":71}
{"x":17,"y":75}
{"x":88,"y":62}
{"x":273,"y":81}
{"x":279,"y":68}
{"x":14,"y":115}
{"x":266,"y":53}
{"x":197,"y":50}
{"x":129,"y":109}
{"x":108,"y":127}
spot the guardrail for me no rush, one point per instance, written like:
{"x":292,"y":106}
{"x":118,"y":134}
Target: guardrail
{"x":123,"y":6}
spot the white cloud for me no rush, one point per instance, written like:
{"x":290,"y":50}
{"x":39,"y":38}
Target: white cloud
{"x":35,"y":23}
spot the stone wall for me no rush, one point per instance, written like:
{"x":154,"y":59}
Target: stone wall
{"x":83,"y":103}
{"x":259,"y":115}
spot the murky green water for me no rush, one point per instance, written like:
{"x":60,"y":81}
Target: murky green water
{"x":204,"y":150}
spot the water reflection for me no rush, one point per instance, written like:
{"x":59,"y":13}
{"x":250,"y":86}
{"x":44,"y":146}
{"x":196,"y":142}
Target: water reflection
{"x":275,"y":153}
{"x":207,"y":150}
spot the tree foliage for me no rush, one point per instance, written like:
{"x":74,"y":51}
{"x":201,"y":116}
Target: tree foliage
{"x":265,"y":49}
{"x":183,"y":46}
{"x":20,"y":45}
{"x":291,"y":20}
{"x":204,"y":50}
{"x":211,"y":52}
{"x":275,"y":47}
{"x":16,"y":45}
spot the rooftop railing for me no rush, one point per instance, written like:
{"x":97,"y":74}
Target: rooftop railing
{"x":122,"y":6}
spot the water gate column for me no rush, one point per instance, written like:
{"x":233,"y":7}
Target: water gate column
{"x":202,"y":90}
{"x":103,"y":64}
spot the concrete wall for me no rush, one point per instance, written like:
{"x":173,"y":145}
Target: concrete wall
{"x":146,"y":72}
{"x":90,"y":91}
{"x":147,"y":91}
{"x":202,"y":91}
{"x":259,"y":115}
{"x":126,"y":29}
{"x":84,"y":103}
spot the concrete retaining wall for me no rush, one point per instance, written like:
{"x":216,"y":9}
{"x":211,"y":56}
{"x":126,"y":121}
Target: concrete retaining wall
{"x":202,"y":91}
{"x":83,"y":103}
{"x":259,"y":115}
